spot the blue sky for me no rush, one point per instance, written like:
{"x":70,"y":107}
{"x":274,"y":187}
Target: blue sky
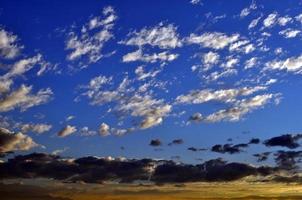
{"x":87,"y":78}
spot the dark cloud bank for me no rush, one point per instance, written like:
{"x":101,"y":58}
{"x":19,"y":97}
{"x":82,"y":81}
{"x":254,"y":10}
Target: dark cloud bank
{"x":96,"y":170}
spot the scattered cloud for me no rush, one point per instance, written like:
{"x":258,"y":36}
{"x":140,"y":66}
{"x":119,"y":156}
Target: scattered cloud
{"x":67,"y":130}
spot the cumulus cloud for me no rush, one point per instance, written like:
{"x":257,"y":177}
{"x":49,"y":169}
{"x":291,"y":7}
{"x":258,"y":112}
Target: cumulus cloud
{"x":241,"y":108}
{"x":254,"y":23}
{"x":270,"y":20}
{"x":287,"y":140}
{"x":36,"y":128}
{"x":138,"y":55}
{"x":283,"y":21}
{"x":155,"y":143}
{"x":250,"y":63}
{"x":141,"y":74}
{"x":209,"y":59}
{"x":228,"y":148}
{"x":90,"y":42}
{"x":104,"y":129}
{"x":23,"y":98}
{"x":213,"y":40}
{"x":292,"y":64}
{"x":67,"y":130}
{"x":162,"y":36}
{"x":9,"y":47}
{"x":262,"y":156}
{"x":225,"y":95}
{"x":289,"y":33}
{"x":10,"y":141}
{"x":246,"y":11}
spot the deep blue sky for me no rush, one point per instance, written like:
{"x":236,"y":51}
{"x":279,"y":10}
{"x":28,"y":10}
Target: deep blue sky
{"x":45,"y":27}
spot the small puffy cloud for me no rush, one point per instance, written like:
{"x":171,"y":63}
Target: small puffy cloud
{"x":36,"y":128}
{"x":246,"y":11}
{"x":292,"y":64}
{"x":289,"y":33}
{"x":104,"y":129}
{"x":176,"y":142}
{"x":250,"y":63}
{"x":270,"y":20}
{"x":262,"y":156}
{"x":196,"y":117}
{"x":243,"y":46}
{"x":67,"y":131}
{"x":213,"y":40}
{"x":254,"y":23}
{"x":225,"y":95}
{"x":89,"y":43}
{"x":299,"y":18}
{"x":240,"y":109}
{"x":85,"y":131}
{"x":10,"y":141}
{"x":70,"y":117}
{"x":155,"y":143}
{"x":288,"y":140}
{"x":283,"y":21}
{"x":23,"y":98}
{"x":9,"y":47}
{"x":141,"y":74}
{"x":162,"y":36}
{"x":152,"y":58}
{"x":209,"y":59}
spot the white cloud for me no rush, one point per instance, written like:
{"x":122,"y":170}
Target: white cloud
{"x":292,"y":64}
{"x":10,"y":141}
{"x":283,"y":21}
{"x":289,"y":33}
{"x":162,"y":36}
{"x":156,"y":57}
{"x":270,"y":20}
{"x":226,"y":95}
{"x":67,"y":131}
{"x":242,"y":46}
{"x":214,"y":40}
{"x":9,"y":48}
{"x":240,"y":109}
{"x":254,"y":23}
{"x":231,"y":62}
{"x":85,"y":131}
{"x":299,"y":18}
{"x":250,"y":63}
{"x":246,"y":11}
{"x":90,"y":43}
{"x":209,"y":59}
{"x":36,"y":128}
{"x":23,"y":99}
{"x":141,"y":74}
{"x":104,"y":129}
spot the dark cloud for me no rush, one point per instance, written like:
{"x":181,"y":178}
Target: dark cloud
{"x":176,"y":141}
{"x":254,"y":141}
{"x":196,"y":149}
{"x":155,"y":143}
{"x":288,"y":140}
{"x":97,"y":170}
{"x":288,"y":159}
{"x":228,"y":148}
{"x":262,"y":156}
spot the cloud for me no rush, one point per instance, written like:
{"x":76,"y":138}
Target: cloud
{"x":10,"y":141}
{"x":292,"y":64}
{"x":67,"y":131}
{"x":213,"y":40}
{"x":254,"y":23}
{"x":283,"y":21}
{"x":85,"y":131}
{"x":104,"y":129}
{"x":228,"y":148}
{"x":23,"y":99}
{"x":155,"y":143}
{"x":90,"y":42}
{"x":250,"y":63}
{"x":141,"y":74}
{"x":262,"y":156}
{"x":196,"y":117}
{"x":176,"y":142}
{"x":209,"y":59}
{"x":194,"y":149}
{"x":254,"y":141}
{"x":241,"y":108}
{"x":9,"y":47}
{"x":162,"y":36}
{"x":225,"y":95}
{"x":270,"y":20}
{"x":289,"y":33}
{"x":288,"y":160}
{"x":246,"y":11}
{"x":138,"y":55}
{"x":287,"y":140}
{"x":97,"y":170}
{"x":36,"y":128}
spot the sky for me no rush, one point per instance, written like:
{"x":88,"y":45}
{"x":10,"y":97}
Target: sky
{"x":126,"y":78}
